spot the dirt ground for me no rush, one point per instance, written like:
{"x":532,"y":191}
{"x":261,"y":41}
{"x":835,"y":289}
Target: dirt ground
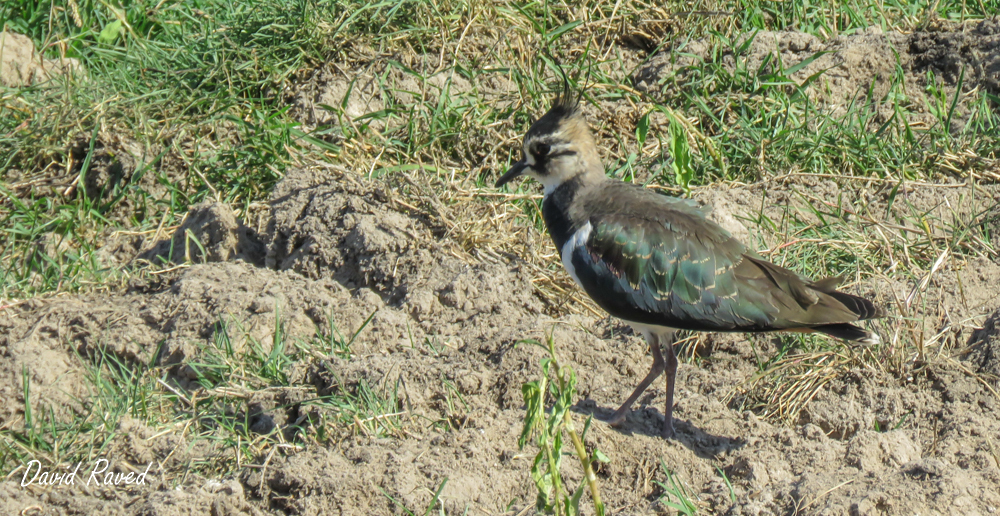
{"x":337,"y":248}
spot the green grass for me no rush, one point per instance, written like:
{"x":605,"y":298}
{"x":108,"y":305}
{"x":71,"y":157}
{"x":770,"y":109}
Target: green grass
{"x":548,"y":428}
{"x":199,"y":88}
{"x":434,"y":502}
{"x":676,"y":495}
{"x":203,"y":89}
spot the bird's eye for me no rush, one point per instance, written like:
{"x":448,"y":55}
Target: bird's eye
{"x":542,"y":149}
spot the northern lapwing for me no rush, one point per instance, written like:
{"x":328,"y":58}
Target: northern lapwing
{"x":659,"y":263}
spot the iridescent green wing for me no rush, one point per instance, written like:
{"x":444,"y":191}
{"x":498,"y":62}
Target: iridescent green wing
{"x":659,"y":260}
{"x":677,"y":271}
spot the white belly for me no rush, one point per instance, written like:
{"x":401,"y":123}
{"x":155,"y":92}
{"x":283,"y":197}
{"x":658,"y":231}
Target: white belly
{"x":578,"y":240}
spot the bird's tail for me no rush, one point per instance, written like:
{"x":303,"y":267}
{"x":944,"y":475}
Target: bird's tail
{"x":859,"y":305}
{"x":864,"y":309}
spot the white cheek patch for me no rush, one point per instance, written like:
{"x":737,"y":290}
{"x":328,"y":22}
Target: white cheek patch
{"x":577,"y":241}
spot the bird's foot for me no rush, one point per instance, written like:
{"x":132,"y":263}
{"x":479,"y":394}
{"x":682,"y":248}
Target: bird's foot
{"x":668,"y":429}
{"x":615,"y":419}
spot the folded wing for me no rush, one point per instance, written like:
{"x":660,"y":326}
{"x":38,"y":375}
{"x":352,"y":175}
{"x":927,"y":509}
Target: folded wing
{"x":660,"y":261}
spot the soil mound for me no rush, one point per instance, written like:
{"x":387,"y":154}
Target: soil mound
{"x":209,"y":233}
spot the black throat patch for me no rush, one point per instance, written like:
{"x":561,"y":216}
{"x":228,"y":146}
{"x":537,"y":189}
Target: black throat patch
{"x":555,"y":212}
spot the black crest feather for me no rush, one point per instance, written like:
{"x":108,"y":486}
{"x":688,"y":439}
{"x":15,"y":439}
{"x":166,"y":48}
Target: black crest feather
{"x":564,"y":106}
{"x":565,"y":101}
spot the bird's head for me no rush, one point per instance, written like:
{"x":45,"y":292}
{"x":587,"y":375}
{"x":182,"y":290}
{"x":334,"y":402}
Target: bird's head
{"x":557,"y":147}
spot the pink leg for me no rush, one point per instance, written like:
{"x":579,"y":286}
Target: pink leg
{"x":668,"y":425}
{"x":659,"y":365}
{"x":654,"y":345}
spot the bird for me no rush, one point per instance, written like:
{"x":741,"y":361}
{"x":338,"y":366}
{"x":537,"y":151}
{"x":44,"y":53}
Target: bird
{"x":659,"y":263}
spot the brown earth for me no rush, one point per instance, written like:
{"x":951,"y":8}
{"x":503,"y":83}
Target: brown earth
{"x":445,"y":323}
{"x":900,"y":434}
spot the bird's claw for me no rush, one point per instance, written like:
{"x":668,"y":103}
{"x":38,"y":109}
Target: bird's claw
{"x":616,"y":419}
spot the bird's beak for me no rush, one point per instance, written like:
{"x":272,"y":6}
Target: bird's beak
{"x":515,"y":170}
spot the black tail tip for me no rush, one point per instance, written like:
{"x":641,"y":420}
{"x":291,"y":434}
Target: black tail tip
{"x":864,"y":308}
{"x":850,"y":332}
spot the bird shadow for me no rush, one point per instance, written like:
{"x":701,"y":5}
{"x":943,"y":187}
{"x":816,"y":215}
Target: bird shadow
{"x":649,"y":421}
